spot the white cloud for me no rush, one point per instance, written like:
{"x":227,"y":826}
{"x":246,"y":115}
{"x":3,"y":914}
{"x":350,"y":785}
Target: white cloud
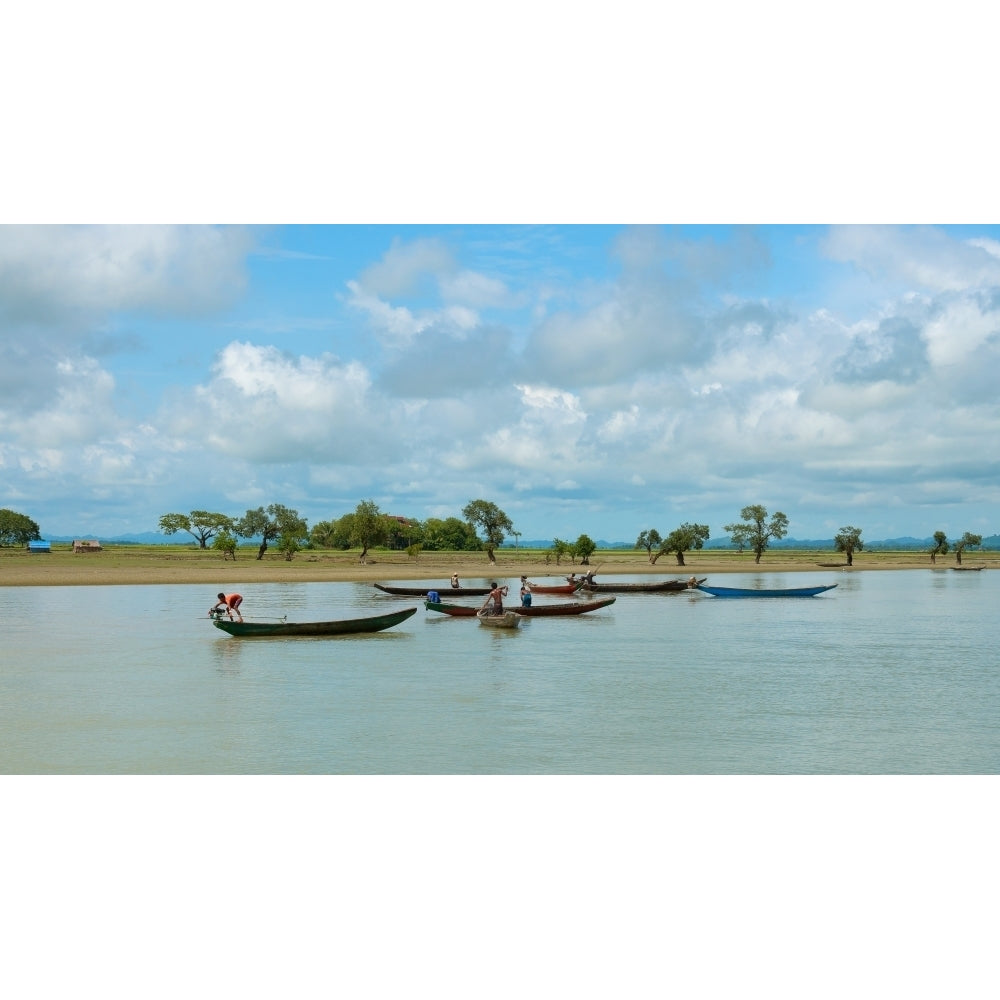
{"x":403,"y":266}
{"x":473,"y":289}
{"x":958,"y":330}
{"x":396,"y":326}
{"x":50,"y":273}
{"x":265,"y":405}
{"x":924,"y":257}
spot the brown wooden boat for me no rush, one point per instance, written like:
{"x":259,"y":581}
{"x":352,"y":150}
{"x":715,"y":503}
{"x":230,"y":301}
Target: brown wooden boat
{"x":659,"y":587}
{"x":526,"y":611}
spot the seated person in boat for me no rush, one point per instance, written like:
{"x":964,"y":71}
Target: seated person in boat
{"x":496,"y":595}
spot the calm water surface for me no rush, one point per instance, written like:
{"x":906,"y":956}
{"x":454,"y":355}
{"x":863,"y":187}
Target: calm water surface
{"x":893,"y":672}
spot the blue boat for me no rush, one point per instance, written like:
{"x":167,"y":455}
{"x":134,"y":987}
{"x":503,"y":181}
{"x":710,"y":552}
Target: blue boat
{"x":782,"y":592}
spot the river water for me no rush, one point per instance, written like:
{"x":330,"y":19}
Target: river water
{"x":893,"y":672}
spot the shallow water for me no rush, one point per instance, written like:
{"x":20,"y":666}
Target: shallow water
{"x":892,"y":672}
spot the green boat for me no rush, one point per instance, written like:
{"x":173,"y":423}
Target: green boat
{"x":349,"y":626}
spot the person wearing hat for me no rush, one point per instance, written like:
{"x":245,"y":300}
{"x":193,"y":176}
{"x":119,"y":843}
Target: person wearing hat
{"x":454,"y":581}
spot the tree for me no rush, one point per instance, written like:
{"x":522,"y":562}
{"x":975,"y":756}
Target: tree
{"x":940,"y":546}
{"x":226,"y":544}
{"x":684,"y":539}
{"x":849,"y":541}
{"x":494,"y":522}
{"x":343,"y":529}
{"x":368,"y":527}
{"x":277,"y":521}
{"x":323,"y":534}
{"x":202,"y":524}
{"x":584,"y":547}
{"x":17,"y":529}
{"x":755,"y":531}
{"x":452,"y":534}
{"x":560,"y":548}
{"x":649,"y":540}
{"x":289,"y":544}
{"x":968,"y":540}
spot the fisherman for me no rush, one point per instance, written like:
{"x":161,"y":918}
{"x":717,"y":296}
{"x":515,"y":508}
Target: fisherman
{"x":496,"y":595}
{"x":454,"y":581}
{"x":525,"y":593}
{"x":230,"y":603}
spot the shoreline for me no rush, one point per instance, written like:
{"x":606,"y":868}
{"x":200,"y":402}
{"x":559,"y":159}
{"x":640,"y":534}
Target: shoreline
{"x":127,"y":567}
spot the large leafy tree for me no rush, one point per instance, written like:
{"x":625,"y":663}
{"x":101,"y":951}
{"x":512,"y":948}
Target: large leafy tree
{"x":492,"y":520}
{"x":323,"y":534}
{"x":686,"y":538}
{"x":968,"y":540}
{"x":451,"y":533}
{"x":940,"y":546}
{"x":754,"y":531}
{"x":277,"y":521}
{"x":202,"y":524}
{"x":17,"y":529}
{"x":848,"y":541}
{"x":584,"y":547}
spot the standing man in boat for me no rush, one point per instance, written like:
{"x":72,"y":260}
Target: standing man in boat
{"x":525,"y":593}
{"x":454,"y":581}
{"x":231,"y":603}
{"x":496,"y":595}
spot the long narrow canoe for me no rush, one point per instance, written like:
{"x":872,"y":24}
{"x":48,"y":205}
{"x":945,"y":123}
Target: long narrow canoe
{"x":782,"y":592}
{"x":663,"y":586}
{"x":248,"y":630}
{"x":532,"y":611}
{"x":446,"y":588}
{"x":561,"y":588}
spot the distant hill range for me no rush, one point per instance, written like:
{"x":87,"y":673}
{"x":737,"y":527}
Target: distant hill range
{"x":143,"y":538}
{"x":895,"y":544}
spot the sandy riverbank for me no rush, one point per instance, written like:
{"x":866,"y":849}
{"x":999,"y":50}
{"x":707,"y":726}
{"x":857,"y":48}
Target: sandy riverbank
{"x":129,"y":566}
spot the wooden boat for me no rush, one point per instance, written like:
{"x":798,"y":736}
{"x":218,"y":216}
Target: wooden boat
{"x":423,"y":591}
{"x":968,"y":569}
{"x":660,"y":587}
{"x":780,"y":592}
{"x":561,"y":588}
{"x":351,"y":626}
{"x":531,"y":611}
{"x":506,"y":619}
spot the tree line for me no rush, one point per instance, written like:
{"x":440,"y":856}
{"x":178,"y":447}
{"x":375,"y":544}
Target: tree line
{"x":368,"y":527}
{"x":755,"y":530}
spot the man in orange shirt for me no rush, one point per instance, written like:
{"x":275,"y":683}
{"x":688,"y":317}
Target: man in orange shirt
{"x":231,"y":603}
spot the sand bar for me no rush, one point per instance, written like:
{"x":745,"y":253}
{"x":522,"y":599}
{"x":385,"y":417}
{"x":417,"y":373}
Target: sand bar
{"x":139,"y":565}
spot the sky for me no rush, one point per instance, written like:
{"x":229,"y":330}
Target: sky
{"x":599,"y":379}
